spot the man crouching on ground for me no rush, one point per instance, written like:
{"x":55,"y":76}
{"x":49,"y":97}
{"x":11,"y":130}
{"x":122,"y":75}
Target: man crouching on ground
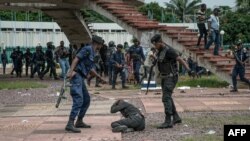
{"x":82,"y":65}
{"x":133,"y":121}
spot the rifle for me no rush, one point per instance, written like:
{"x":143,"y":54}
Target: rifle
{"x":150,"y":74}
{"x":61,"y":95}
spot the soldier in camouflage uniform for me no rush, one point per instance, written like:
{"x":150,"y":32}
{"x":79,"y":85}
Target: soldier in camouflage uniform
{"x":167,"y":59}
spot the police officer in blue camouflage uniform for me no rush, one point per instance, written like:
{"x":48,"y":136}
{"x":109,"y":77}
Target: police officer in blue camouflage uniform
{"x":82,"y":65}
{"x":167,"y":59}
{"x":241,"y":56}
{"x":137,"y":55}
{"x":118,"y":62}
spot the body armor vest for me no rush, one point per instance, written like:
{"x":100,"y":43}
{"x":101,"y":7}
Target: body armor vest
{"x":166,"y":66}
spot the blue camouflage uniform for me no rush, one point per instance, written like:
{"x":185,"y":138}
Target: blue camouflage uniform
{"x":239,"y":69}
{"x":118,"y":58}
{"x":78,"y":91}
{"x":136,"y":53}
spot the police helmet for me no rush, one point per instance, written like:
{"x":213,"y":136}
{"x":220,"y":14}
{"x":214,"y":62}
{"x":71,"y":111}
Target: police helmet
{"x":111,"y":44}
{"x":120,"y":46}
{"x":97,"y":39}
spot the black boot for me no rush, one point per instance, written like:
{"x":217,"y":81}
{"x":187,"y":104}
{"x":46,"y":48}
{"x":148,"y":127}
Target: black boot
{"x":70,"y":127}
{"x":167,"y":124}
{"x":81,"y":124}
{"x":176,"y":119}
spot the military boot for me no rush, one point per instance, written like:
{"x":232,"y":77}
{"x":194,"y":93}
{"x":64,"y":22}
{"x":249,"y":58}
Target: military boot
{"x":167,"y":124}
{"x":81,"y":124}
{"x":176,"y":119}
{"x":70,"y":127}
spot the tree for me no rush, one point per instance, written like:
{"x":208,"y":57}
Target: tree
{"x":243,"y":6}
{"x":235,"y":25}
{"x":183,"y":7}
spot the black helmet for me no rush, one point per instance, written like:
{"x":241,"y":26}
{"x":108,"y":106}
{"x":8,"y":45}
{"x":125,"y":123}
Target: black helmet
{"x":97,"y":39}
{"x":111,"y":44}
{"x":120,"y":46}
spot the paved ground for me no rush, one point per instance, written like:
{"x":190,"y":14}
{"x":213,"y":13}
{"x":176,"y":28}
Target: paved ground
{"x":43,"y":122}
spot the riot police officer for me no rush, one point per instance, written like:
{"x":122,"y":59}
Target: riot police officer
{"x":38,"y":61}
{"x":133,"y":121}
{"x":51,"y":65}
{"x":81,"y":67}
{"x":110,"y":51}
{"x":137,"y":55}
{"x":28,"y":59}
{"x":19,"y":62}
{"x":167,"y":59}
{"x":118,"y":62}
{"x":13,"y":57}
{"x":241,"y":56}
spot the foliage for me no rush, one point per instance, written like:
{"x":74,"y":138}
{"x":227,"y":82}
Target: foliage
{"x":183,"y":7}
{"x":155,"y":11}
{"x":243,"y":6}
{"x":24,"y":16}
{"x":92,"y":16}
{"x":20,"y":85}
{"x":236,"y":26}
{"x":210,"y":82}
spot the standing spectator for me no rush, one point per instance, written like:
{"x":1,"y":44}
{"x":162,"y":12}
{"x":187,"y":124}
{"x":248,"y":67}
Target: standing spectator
{"x":28,"y":59}
{"x":148,"y":63}
{"x":137,"y":55}
{"x":4,"y":60}
{"x":213,"y":31}
{"x":63,"y":54}
{"x":201,"y":19}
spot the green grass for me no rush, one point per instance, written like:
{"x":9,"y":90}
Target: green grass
{"x":20,"y":85}
{"x":203,"y":123}
{"x":210,"y":82}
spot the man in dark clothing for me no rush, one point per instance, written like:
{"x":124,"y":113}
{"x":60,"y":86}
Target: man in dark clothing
{"x":118,"y":62}
{"x":38,"y":60}
{"x":167,"y":59}
{"x":201,"y":20}
{"x":137,"y":55}
{"x":28,"y":59}
{"x":241,"y":57}
{"x":4,"y":60}
{"x":19,"y":62}
{"x":51,"y":65}
{"x":13,"y":56}
{"x":134,"y":120}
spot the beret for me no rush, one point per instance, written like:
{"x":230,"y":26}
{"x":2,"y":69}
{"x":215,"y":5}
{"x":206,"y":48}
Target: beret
{"x":156,"y":38}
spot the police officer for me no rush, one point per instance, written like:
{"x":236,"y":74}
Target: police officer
{"x":133,"y":121}
{"x":38,"y":61}
{"x":19,"y":62}
{"x":51,"y":65}
{"x":82,"y":66}
{"x":28,"y":59}
{"x":167,"y":59}
{"x":118,"y":62}
{"x":110,"y":51}
{"x":137,"y":55}
{"x":13,"y":56}
{"x":4,"y":60}
{"x":241,"y":56}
